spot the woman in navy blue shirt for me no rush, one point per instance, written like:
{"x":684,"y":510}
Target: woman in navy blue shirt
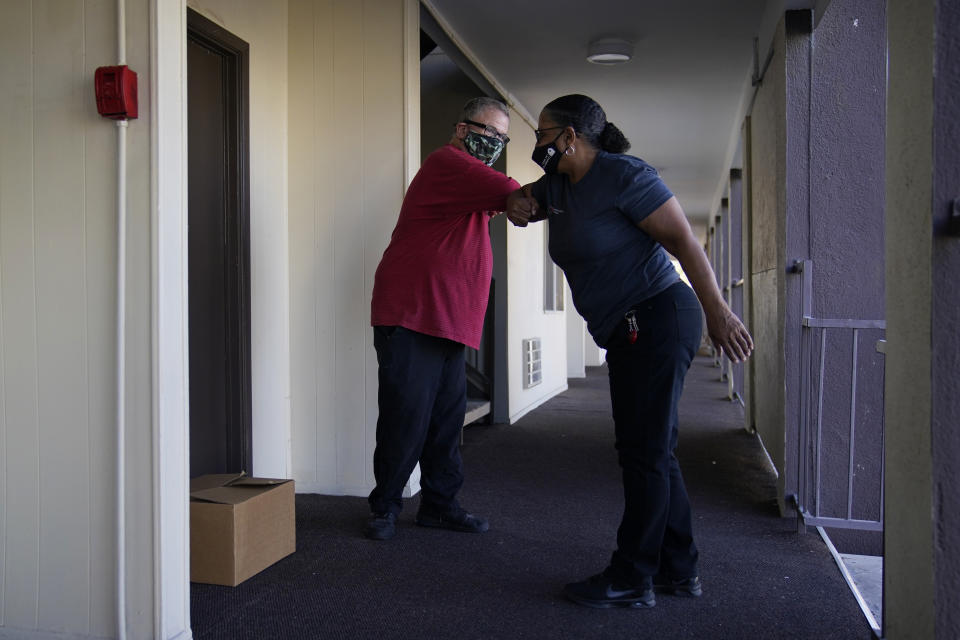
{"x":612,"y":222}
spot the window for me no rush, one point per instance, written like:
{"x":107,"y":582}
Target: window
{"x":552,"y":277}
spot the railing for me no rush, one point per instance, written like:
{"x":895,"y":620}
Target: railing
{"x":818,"y":364}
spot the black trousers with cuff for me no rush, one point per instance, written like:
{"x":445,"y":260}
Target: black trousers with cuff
{"x":646,"y":380}
{"x":422,"y":399}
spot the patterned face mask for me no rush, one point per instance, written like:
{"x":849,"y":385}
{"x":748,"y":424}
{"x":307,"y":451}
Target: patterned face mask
{"x":486,"y":149}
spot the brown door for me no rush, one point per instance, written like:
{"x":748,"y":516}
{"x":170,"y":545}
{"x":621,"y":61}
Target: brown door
{"x":218,"y":246}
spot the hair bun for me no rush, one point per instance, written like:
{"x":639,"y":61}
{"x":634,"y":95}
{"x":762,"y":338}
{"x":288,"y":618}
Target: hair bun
{"x":612,"y":139}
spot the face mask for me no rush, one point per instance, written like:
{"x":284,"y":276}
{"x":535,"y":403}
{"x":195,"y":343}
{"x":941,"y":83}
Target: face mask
{"x":548,"y":156}
{"x":486,"y":149}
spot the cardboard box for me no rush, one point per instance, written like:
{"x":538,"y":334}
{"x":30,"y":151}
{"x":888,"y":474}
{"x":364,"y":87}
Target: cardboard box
{"x":239,"y":526}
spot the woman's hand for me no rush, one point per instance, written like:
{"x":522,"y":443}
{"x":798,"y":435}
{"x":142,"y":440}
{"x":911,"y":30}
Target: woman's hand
{"x":521,"y":207}
{"x":668,"y":225}
{"x":728,"y":334}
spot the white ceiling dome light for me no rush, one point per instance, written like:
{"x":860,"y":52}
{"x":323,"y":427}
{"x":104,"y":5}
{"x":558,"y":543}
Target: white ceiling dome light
{"x":609,"y":51}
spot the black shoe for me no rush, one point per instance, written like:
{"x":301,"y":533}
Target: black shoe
{"x":688,"y":587}
{"x":455,"y":520}
{"x":604,"y":590}
{"x":382,"y":526}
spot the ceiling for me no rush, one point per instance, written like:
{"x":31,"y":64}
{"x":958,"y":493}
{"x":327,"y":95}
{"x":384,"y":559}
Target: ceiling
{"x":680,"y":100}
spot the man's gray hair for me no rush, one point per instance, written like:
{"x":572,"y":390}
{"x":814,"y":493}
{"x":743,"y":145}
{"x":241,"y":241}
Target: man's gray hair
{"x":475,"y":106}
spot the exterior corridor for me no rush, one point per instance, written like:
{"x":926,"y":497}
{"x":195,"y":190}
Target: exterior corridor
{"x":551,"y":489}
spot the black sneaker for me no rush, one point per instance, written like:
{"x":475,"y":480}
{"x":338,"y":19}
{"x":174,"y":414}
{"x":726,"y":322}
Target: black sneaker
{"x":381,"y":526}
{"x":604,"y":591}
{"x":455,"y":520}
{"x":687,"y":587}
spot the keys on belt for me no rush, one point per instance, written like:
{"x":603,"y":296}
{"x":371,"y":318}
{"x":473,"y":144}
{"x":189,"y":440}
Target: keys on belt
{"x":632,"y":328}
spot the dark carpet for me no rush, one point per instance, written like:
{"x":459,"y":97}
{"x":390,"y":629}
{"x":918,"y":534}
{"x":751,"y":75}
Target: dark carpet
{"x":551,"y":488}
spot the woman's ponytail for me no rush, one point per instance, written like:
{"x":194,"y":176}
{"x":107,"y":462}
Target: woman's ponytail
{"x":612,"y":140}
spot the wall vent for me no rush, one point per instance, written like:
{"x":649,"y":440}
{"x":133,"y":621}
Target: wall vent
{"x":532,"y":372}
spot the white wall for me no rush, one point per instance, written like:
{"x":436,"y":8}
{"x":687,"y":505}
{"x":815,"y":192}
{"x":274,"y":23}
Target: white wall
{"x":342,"y":210}
{"x":595,"y":356}
{"x":582,"y":351}
{"x":525,"y":288}
{"x":577,"y":338}
{"x":58,"y":262}
{"x":264,"y":26}
{"x":56,"y":258}
{"x":350,"y":154}
{"x":58,"y":237}
{"x":319,"y":223}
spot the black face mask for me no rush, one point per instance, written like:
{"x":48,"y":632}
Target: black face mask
{"x":548,"y":156}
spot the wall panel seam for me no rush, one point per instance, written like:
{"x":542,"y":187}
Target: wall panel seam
{"x":314,"y":258}
{"x":3,"y":446}
{"x":36,"y":316}
{"x":363,"y":218}
{"x":85,"y":346}
{"x":335,"y":329}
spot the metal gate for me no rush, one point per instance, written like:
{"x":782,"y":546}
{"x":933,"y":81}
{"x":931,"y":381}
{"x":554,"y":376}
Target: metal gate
{"x":840,"y":482}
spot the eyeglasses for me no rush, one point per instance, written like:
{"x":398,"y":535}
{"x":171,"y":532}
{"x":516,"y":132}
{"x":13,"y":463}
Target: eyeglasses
{"x":539,"y":132}
{"x":489,"y":131}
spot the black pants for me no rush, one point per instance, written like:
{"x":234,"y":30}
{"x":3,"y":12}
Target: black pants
{"x":646,"y":379}
{"x":422,"y":399}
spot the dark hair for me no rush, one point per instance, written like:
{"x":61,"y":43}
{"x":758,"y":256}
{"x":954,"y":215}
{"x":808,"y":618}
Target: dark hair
{"x":589,"y":121}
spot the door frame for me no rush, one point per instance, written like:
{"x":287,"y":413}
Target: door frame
{"x":236,"y":53}
{"x":171,"y":384}
{"x":166,"y":112}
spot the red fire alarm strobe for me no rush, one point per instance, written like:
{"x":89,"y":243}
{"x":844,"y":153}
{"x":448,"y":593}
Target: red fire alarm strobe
{"x":116,"y":92}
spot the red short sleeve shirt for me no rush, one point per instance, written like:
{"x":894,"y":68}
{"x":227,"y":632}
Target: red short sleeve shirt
{"x":434,"y":276}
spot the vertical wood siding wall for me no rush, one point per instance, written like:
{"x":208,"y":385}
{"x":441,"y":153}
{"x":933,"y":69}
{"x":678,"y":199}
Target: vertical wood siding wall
{"x":57,"y":321}
{"x":347,"y":149}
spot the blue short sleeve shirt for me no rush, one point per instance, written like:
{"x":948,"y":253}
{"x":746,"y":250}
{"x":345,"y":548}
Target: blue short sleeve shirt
{"x":610,"y":263}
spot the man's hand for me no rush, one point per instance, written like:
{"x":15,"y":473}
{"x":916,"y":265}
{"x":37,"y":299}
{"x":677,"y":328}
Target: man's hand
{"x":520,"y":208}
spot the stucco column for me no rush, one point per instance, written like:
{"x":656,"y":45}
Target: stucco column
{"x":923,"y":257}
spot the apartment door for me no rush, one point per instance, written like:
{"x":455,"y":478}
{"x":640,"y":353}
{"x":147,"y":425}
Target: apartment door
{"x":219,"y":249}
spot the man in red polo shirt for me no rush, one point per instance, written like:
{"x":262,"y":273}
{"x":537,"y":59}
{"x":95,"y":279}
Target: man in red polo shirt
{"x":429,"y":298}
